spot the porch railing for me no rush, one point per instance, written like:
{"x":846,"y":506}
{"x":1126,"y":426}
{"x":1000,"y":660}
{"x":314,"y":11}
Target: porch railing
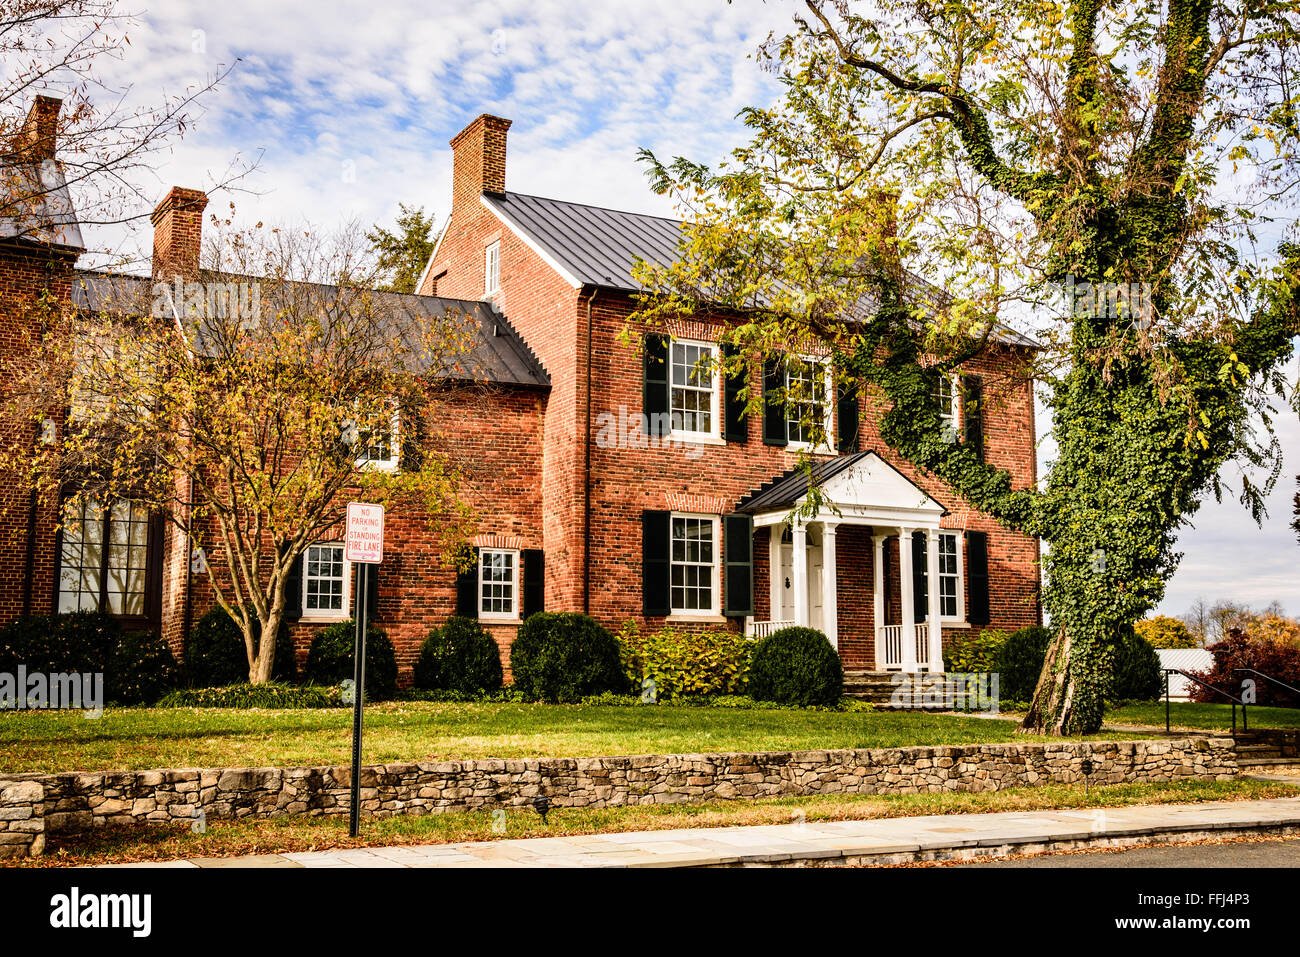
{"x":761,"y":629}
{"x":889,"y":645}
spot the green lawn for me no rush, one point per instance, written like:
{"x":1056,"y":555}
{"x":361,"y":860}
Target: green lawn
{"x":1205,"y":717}
{"x":284,"y":835}
{"x":410,"y":731}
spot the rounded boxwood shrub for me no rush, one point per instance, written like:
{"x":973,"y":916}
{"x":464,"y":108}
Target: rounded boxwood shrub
{"x":215,"y":655}
{"x":563,"y":657}
{"x":141,"y":669}
{"x":796,"y":666}
{"x":460,"y":656}
{"x":329,"y":660}
{"x":1019,"y":662}
{"x":1137,"y":675}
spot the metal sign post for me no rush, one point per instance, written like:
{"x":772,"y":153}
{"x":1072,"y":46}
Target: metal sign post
{"x":364,"y":547}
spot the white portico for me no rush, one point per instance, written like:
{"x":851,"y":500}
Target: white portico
{"x":859,"y":489}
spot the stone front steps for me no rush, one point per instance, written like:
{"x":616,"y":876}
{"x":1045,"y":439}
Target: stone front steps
{"x":1269,"y":751}
{"x":881,"y":688}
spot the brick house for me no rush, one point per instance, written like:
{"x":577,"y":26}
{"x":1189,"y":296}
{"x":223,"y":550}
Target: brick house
{"x":615,"y":480}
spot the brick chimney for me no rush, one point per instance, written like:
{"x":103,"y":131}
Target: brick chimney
{"x":479,"y":159}
{"x":37,"y":139}
{"x":178,"y":234}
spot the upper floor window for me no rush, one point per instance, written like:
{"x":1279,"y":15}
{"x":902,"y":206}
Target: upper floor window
{"x":694,"y":565}
{"x":492,"y":269}
{"x":808,"y":406}
{"x":325,"y":581}
{"x":693,"y":388}
{"x":379,"y":448}
{"x":103,"y":565}
{"x":498,"y":583}
{"x":948,"y":408}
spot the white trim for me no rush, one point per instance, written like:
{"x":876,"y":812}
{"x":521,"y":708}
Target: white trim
{"x":419,"y":283}
{"x":714,"y":436}
{"x":310,"y":615}
{"x":536,"y":247}
{"x":490,"y":252}
{"x":960,"y":617}
{"x":515,"y":598}
{"x":393,"y":462}
{"x":715,"y":597}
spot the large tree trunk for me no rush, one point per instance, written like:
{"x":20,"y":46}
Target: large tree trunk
{"x":1069,"y":698}
{"x":261,"y":666}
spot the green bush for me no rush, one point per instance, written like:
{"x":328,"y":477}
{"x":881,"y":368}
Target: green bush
{"x":1137,"y":675}
{"x":215,"y":654}
{"x":329,"y":660}
{"x":140,"y":670}
{"x":685,"y":662}
{"x":975,"y":654}
{"x":563,"y":657}
{"x":460,"y":656}
{"x":79,"y":642}
{"x":796,"y":666}
{"x":1019,"y":662}
{"x":269,"y":695}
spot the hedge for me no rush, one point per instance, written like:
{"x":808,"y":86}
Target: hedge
{"x":563,"y":657}
{"x":685,"y":662}
{"x":796,"y":666}
{"x":215,"y":654}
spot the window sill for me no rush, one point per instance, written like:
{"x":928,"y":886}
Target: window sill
{"x":500,"y":621}
{"x":810,"y":449}
{"x":695,"y":438}
{"x":322,"y":619}
{"x":953,"y":623}
{"x":697,"y":618}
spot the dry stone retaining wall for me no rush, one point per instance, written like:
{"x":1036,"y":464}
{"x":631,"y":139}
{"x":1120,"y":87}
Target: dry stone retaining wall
{"x":35,"y":805}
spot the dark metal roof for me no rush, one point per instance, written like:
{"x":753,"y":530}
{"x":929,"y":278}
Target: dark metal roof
{"x":789,"y":487}
{"x":498,"y":354}
{"x":37,"y":206}
{"x":598,"y":247}
{"x":595,"y":246}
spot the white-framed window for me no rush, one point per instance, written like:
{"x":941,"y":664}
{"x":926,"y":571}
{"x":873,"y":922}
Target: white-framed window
{"x":380,"y":448}
{"x":694,"y":565}
{"x":950,"y":583}
{"x":325,"y":581}
{"x":498,"y":583}
{"x":492,"y":269}
{"x":949,"y":408}
{"x":808,"y":391}
{"x":693,"y":373}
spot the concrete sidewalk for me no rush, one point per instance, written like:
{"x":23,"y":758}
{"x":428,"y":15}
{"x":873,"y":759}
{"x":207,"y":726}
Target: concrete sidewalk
{"x":887,"y":841}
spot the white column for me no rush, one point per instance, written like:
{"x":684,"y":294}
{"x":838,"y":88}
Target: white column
{"x":933,"y":615}
{"x":775,"y":584}
{"x":830,"y":611}
{"x":799,"y":559}
{"x":906,"y":598}
{"x":878,"y":594}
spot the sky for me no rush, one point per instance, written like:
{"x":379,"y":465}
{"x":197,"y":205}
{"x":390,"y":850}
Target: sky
{"x":347,"y":110}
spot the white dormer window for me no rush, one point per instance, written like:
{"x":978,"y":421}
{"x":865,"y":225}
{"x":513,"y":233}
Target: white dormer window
{"x":492,"y":269}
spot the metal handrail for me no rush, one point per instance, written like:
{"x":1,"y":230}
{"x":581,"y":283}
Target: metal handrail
{"x":1275,"y":681}
{"x":1245,"y":724}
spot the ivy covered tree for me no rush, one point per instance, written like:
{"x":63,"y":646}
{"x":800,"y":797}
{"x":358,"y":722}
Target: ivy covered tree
{"x":1100,"y":171}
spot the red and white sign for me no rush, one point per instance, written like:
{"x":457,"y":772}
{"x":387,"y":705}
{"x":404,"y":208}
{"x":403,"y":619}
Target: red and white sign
{"x":365,"y":534}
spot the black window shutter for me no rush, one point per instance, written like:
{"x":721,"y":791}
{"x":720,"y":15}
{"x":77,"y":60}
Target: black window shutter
{"x":410,"y":437}
{"x":846,"y":416}
{"x":738,"y":544}
{"x":774,"y":423}
{"x":735,"y":427}
{"x":534,"y":581}
{"x":972,"y":388}
{"x":920,"y":577}
{"x":656,"y":542}
{"x":655,"y":385}
{"x":293,"y":590}
{"x":467,"y":590}
{"x":977,"y":578}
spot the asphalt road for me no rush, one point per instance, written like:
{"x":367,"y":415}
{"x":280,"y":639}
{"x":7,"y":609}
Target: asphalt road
{"x":1278,"y":853}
